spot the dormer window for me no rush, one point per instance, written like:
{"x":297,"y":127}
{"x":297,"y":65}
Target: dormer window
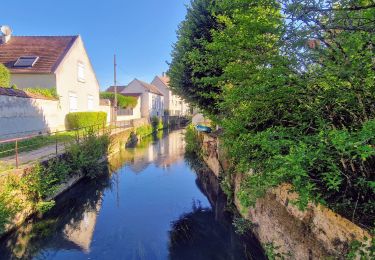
{"x":26,"y":61}
{"x":81,"y":72}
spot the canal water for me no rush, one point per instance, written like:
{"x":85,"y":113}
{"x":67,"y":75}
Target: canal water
{"x":152,"y":203}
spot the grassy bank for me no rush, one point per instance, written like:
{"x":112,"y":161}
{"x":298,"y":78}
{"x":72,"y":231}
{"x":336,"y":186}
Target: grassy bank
{"x":33,"y":190}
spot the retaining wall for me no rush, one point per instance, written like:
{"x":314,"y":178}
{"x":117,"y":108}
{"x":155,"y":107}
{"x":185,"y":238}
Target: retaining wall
{"x":316,"y":233}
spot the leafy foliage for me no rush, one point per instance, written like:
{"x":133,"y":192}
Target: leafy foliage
{"x":191,"y":64}
{"x":294,"y":86}
{"x":78,"y":120}
{"x":35,"y":188}
{"x":157,"y":123}
{"x":193,"y":142}
{"x":46,"y":92}
{"x":122,"y":101}
{"x":4,"y":76}
{"x":144,"y":131}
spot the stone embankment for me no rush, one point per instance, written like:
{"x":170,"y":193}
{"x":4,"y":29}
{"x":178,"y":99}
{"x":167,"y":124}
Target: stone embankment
{"x":316,"y":233}
{"x":118,"y":141}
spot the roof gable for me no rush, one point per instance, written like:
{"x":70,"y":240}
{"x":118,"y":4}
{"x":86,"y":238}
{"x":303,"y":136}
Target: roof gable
{"x":51,"y":50}
{"x":164,"y":79}
{"x":149,"y":87}
{"x":112,"y":89}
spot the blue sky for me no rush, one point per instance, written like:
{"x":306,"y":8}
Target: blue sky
{"x":141,"y":32}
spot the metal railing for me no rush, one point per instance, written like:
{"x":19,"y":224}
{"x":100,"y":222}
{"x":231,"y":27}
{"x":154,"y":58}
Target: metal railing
{"x":32,"y":146}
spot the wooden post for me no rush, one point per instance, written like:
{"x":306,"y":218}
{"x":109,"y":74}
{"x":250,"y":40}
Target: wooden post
{"x":56,"y":141}
{"x":16,"y":154}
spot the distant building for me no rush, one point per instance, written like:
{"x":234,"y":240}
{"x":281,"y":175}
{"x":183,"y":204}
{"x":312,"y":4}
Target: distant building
{"x":174,"y":104}
{"x":127,"y":113}
{"x":152,"y":100}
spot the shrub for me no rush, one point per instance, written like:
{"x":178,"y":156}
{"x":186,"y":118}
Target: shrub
{"x":4,"y":76}
{"x":85,"y":119}
{"x":157,"y":123}
{"x":84,"y":156}
{"x":193,"y":142}
{"x":144,"y":130}
{"x":122,"y":101}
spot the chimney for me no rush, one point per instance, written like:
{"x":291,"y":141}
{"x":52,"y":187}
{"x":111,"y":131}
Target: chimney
{"x":6,"y":34}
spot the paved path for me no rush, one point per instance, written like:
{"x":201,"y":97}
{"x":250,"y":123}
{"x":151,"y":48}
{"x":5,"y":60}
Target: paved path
{"x":43,"y":153}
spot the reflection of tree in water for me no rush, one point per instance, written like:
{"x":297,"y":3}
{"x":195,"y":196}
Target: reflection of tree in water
{"x":209,"y":233}
{"x":58,"y":229}
{"x":197,"y":235}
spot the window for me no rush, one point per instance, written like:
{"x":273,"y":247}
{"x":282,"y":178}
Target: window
{"x":73,"y":102}
{"x":81,"y":72}
{"x":26,"y":61}
{"x":90,"y":102}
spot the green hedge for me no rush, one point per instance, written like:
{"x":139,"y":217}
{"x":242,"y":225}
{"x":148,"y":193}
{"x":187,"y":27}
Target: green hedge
{"x":122,"y":101}
{"x":84,"y":119}
{"x":4,"y":76}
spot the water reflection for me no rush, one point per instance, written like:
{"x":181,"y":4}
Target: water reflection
{"x":149,"y":205}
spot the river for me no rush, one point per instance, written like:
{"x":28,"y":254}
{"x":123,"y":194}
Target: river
{"x":151,"y":203}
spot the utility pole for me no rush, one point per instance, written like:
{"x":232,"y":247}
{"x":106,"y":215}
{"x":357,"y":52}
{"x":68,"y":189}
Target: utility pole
{"x":115,"y":82}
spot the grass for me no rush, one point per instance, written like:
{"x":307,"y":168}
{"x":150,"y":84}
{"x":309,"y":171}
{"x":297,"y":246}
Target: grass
{"x":34,"y":143}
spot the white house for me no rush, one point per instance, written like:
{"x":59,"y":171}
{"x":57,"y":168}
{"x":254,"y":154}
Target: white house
{"x":59,"y":62}
{"x":174,"y":104}
{"x":152,"y":100}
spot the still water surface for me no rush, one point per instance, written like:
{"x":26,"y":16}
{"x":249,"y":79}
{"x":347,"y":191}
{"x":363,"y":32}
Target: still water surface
{"x":153,"y":204}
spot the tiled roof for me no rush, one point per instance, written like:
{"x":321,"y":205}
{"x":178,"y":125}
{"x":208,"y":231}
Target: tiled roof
{"x":131,"y":94}
{"x":50,"y":49}
{"x":165,"y":80}
{"x":119,"y":89}
{"x":151,"y":88}
{"x":22,"y":94}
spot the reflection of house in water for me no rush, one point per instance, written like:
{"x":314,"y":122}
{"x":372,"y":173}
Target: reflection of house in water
{"x":162,"y":153}
{"x":80,"y":232}
{"x":172,"y":150}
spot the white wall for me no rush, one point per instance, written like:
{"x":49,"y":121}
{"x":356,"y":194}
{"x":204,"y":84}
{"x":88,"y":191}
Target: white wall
{"x":67,"y":79}
{"x":156,"y":105}
{"x":147,"y":97}
{"x":33,"y":80}
{"x":23,"y":116}
{"x":173,"y":103}
{"x":136,"y":112}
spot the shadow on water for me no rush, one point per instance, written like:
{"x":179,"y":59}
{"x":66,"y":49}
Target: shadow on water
{"x":191,"y":219}
{"x":63,"y":228}
{"x":208,"y":233}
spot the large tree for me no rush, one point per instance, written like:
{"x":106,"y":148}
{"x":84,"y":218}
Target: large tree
{"x":295,"y":94}
{"x":192,"y":67}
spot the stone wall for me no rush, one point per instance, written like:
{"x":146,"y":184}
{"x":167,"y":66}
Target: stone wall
{"x":316,"y":233}
{"x":20,"y":116}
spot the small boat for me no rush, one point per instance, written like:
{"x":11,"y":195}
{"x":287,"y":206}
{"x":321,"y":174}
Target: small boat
{"x":202,"y":128}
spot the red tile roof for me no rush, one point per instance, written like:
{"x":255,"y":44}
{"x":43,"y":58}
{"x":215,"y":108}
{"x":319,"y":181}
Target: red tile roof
{"x":112,"y":89}
{"x":165,"y":80}
{"x":50,"y":49}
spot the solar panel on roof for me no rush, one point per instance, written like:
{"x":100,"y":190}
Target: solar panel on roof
{"x":24,"y":62}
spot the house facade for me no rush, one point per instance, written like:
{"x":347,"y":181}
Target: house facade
{"x":174,"y":104}
{"x":59,"y":62}
{"x":152,"y":100}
